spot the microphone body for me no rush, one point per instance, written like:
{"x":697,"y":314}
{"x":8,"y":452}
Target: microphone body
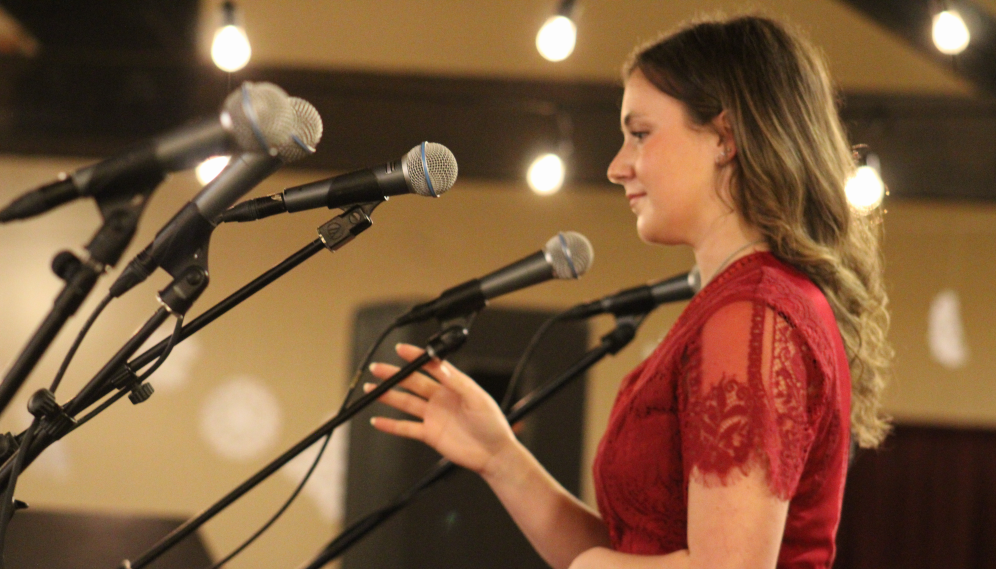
{"x":180,"y":237}
{"x":428,"y":169}
{"x":566,"y":255}
{"x":255,"y":118}
{"x":640,"y":299}
{"x":355,"y":187}
{"x":185,"y":237}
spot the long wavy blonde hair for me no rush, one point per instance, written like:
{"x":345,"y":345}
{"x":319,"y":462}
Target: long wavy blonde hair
{"x":792,"y":164}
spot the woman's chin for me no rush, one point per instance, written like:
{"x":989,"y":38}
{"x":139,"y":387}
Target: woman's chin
{"x":654,"y":236}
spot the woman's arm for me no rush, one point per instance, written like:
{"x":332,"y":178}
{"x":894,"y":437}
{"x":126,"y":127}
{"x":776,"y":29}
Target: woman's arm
{"x":736,"y":526}
{"x":464,"y":424}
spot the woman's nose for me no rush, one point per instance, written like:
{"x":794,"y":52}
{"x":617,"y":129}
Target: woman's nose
{"x":621,"y":168}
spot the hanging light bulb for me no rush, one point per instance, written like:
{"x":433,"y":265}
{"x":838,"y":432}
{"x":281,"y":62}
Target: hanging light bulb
{"x":210,"y":168}
{"x":546,"y":174}
{"x":951,"y":35}
{"x":230,"y":49}
{"x":555,"y":40}
{"x":865,"y":190}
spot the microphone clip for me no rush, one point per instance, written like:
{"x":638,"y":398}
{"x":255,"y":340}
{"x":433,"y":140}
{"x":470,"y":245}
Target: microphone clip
{"x":449,"y":339}
{"x":121,"y":211}
{"x":186,"y":288}
{"x":623,"y":333}
{"x":44,"y":407}
{"x":343,"y":228}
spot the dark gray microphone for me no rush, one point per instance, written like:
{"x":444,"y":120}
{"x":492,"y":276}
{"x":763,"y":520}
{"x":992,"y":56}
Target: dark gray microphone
{"x":428,"y":169}
{"x":257,"y":117}
{"x":567,"y":255}
{"x":640,"y":299}
{"x":187,"y":233}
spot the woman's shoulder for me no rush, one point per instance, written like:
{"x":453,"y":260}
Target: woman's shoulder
{"x":762,"y":278}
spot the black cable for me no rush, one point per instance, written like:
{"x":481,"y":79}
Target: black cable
{"x":79,"y":340}
{"x":321,"y":451}
{"x":365,"y":362}
{"x":173,"y":340}
{"x":280,"y":512}
{"x":520,"y":366}
{"x":7,"y":509}
{"x":107,"y":403}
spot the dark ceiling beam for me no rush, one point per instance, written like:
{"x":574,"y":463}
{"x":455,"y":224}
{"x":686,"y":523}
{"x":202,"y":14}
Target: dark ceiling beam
{"x":912,"y":20}
{"x":939,"y":148}
{"x":107,"y":26}
{"x":930,"y":147}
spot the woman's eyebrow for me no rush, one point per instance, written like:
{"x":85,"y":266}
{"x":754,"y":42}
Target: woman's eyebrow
{"x":629,"y":118}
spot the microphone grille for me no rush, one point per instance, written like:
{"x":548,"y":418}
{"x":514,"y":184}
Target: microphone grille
{"x":262,"y":118}
{"x":432,"y":169}
{"x":695,"y":279}
{"x":570,"y":253}
{"x":306,"y":133}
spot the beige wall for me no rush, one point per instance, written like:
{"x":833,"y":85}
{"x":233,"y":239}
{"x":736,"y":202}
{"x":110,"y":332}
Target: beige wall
{"x":294,"y":336}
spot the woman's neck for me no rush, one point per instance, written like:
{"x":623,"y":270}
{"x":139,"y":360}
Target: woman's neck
{"x":724,"y":245}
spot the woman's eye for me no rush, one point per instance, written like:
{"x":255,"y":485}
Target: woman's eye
{"x":639,"y":135}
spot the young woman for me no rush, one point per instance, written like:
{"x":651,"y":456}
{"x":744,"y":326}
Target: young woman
{"x":728,"y":446}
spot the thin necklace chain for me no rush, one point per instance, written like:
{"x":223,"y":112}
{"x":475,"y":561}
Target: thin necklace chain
{"x":734,"y":254}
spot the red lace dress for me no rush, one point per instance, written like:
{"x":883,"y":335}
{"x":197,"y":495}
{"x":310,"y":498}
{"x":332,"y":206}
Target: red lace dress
{"x":752,"y":375}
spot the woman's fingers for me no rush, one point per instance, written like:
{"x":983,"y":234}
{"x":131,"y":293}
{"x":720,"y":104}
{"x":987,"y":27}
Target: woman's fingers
{"x":401,"y":401}
{"x":436,"y":368}
{"x":442,"y":370}
{"x":409,"y":429}
{"x":416,"y":383}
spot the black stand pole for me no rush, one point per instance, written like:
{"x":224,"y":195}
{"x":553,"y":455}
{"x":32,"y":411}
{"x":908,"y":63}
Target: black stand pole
{"x":78,"y":285}
{"x":176,"y":299}
{"x":121,"y":212}
{"x":439,"y":346}
{"x":333,"y":235}
{"x":611,"y":343}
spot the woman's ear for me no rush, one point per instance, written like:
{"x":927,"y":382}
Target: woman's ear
{"x":726,"y":146}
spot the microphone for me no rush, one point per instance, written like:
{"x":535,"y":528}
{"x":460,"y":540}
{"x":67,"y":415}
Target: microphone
{"x":185,"y":236}
{"x":566,"y":255}
{"x":640,"y":299}
{"x":428,"y":169}
{"x":257,"y":117}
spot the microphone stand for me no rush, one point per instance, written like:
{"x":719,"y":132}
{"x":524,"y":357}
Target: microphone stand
{"x":120,"y":211}
{"x":451,"y":338}
{"x":333,"y":235}
{"x":52,"y":421}
{"x":610,"y":343}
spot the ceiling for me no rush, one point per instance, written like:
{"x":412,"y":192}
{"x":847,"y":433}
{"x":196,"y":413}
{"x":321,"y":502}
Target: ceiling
{"x":459,"y":38}
{"x":496,"y":38}
{"x":386,"y":72}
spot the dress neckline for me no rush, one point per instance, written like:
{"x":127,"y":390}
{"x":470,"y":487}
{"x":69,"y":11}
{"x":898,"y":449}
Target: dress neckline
{"x":733,"y":269}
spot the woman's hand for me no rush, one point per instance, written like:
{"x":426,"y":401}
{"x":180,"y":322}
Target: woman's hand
{"x":456,"y":417}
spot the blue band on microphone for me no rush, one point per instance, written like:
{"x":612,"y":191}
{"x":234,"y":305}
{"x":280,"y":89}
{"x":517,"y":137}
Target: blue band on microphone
{"x":302,"y":145}
{"x":253,"y":120}
{"x":567,"y":254}
{"x":425,"y":170}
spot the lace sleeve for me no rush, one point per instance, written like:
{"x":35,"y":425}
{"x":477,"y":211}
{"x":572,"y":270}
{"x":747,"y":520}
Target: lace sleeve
{"x":744,"y":401}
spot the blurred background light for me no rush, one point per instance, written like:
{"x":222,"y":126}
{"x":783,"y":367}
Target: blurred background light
{"x":210,"y":168}
{"x":950,"y":33}
{"x":546,"y":174}
{"x":230,"y":48}
{"x":555,"y":40}
{"x":865,"y":189}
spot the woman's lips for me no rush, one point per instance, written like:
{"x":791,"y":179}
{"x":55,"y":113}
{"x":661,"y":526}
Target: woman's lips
{"x":634,"y":197}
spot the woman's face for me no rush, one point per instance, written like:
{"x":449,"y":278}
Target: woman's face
{"x":667,"y":165}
